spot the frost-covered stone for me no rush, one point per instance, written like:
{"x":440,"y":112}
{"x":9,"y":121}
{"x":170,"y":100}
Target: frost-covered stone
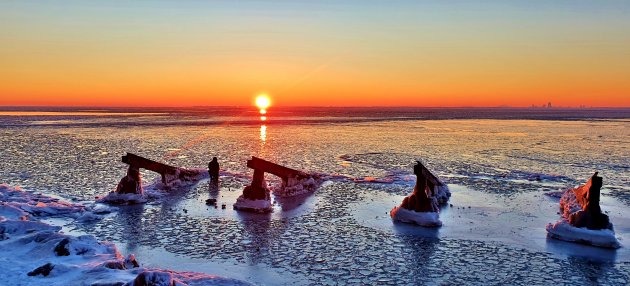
{"x":131,"y":183}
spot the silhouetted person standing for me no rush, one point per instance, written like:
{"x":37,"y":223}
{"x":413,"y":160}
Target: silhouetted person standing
{"x":213,"y":170}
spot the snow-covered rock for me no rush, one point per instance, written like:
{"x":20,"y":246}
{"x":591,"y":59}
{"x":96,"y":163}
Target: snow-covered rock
{"x":563,"y":230}
{"x":428,"y":219}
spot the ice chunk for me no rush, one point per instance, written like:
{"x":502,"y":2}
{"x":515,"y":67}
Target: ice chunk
{"x":10,"y":212}
{"x":9,"y":228}
{"x":298,"y":185}
{"x":35,"y":204}
{"x":157,"y":278}
{"x":261,"y":206}
{"x":428,"y":219}
{"x":563,"y":230}
{"x":123,"y":199}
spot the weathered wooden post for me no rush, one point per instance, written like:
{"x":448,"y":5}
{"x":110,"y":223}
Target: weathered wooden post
{"x":131,"y":183}
{"x":590,"y":215}
{"x":421,"y":207}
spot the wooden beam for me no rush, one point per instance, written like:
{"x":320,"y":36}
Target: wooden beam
{"x":272,"y":168}
{"x":144,"y":163}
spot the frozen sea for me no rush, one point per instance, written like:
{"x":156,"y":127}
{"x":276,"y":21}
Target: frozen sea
{"x":498,"y":162}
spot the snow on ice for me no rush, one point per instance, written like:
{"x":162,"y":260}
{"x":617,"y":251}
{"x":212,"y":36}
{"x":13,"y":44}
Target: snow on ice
{"x":36,"y":253}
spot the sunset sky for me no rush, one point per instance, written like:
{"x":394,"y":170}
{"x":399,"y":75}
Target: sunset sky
{"x":315,"y":53}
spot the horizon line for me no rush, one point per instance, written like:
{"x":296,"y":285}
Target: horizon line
{"x":311,"y":106}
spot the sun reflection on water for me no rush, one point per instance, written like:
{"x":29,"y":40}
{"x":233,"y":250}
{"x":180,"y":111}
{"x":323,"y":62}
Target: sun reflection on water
{"x":263,"y":133}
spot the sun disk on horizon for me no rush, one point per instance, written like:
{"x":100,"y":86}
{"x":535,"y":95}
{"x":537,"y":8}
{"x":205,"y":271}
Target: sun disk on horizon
{"x":263,"y":101}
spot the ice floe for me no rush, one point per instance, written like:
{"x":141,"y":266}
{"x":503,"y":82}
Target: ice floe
{"x":563,"y":230}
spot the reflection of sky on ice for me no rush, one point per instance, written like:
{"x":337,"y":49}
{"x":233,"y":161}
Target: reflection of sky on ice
{"x":343,"y":229}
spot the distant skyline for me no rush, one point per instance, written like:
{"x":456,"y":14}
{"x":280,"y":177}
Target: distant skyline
{"x":315,"y":53}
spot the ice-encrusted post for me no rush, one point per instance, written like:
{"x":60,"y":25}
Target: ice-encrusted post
{"x":130,"y":189}
{"x":582,"y":218}
{"x":213,"y":171}
{"x":168,"y":173}
{"x":421,"y":207}
{"x":591,"y":215}
{"x":256,"y":197}
{"x":131,"y":183}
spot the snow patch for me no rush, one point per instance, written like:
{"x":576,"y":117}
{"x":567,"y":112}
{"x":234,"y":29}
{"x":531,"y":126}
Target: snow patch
{"x":17,"y":204}
{"x":36,"y":253}
{"x":36,"y":204}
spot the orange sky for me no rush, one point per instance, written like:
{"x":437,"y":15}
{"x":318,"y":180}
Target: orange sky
{"x":406,"y":53}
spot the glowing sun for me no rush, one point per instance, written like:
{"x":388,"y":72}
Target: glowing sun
{"x":262,"y":101}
